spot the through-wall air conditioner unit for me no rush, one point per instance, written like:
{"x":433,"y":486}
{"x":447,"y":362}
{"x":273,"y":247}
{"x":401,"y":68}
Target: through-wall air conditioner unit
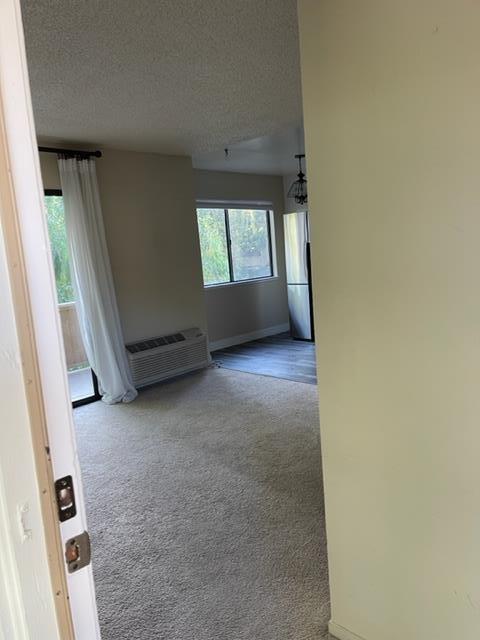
{"x":164,"y":357}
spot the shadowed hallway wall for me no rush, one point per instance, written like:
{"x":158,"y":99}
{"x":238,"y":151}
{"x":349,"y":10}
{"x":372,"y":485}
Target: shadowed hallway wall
{"x":392,"y":102}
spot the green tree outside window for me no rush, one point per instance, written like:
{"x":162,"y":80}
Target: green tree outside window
{"x":59,"y":245}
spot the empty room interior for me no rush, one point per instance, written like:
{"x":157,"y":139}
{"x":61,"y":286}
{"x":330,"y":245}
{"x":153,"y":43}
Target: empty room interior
{"x":174,"y":173}
{"x":239,"y":320}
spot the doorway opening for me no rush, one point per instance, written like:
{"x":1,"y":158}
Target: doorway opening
{"x":215,"y":499}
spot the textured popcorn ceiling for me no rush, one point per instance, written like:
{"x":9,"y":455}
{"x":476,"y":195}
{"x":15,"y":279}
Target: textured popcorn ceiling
{"x":175,"y":76}
{"x":273,"y":154}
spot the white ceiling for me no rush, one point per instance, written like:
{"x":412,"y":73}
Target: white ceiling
{"x":273,"y":154}
{"x":173,"y":76}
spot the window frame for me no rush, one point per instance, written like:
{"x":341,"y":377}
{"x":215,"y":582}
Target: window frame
{"x":228,"y":241}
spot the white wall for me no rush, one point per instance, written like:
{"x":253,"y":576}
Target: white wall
{"x":27,"y":609}
{"x":251,"y":308}
{"x":392,"y":103}
{"x":150,"y":224}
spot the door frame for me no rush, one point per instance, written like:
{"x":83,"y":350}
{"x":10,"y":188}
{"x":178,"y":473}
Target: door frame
{"x":38,"y":357}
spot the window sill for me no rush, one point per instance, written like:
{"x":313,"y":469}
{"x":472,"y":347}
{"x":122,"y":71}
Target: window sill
{"x":240,"y":283}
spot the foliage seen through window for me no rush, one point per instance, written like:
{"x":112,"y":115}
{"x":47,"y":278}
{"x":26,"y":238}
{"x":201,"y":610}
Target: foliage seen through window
{"x":59,"y":244}
{"x":235,"y":244}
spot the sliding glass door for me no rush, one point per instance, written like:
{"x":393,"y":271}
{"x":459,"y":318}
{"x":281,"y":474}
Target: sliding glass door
{"x":81,"y":379}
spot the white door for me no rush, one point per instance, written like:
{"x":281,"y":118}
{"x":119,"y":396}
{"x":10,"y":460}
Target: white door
{"x":25,"y":175}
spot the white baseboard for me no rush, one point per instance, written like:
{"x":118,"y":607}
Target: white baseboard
{"x":247,"y":337}
{"x":341,"y":633}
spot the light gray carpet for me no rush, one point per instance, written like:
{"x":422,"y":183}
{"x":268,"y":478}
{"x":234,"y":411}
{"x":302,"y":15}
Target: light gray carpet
{"x":205,"y":510}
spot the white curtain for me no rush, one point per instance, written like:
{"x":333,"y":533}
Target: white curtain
{"x":92,"y":280}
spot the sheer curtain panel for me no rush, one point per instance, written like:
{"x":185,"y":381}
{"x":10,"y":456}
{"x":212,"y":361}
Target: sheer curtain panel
{"x":92,"y":280}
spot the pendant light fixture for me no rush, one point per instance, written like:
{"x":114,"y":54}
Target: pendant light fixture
{"x":298,"y":190}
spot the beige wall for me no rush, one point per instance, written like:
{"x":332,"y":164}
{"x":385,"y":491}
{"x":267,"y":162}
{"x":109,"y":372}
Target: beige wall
{"x":150,"y":224}
{"x":246,"y":308}
{"x":392,"y":103}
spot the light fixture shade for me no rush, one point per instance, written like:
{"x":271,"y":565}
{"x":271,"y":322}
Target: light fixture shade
{"x":298,"y":190}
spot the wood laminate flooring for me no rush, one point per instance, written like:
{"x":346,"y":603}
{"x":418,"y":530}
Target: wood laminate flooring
{"x":278,"y":356}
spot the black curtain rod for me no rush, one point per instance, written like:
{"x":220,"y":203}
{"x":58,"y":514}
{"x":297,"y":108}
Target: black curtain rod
{"x":71,"y":152}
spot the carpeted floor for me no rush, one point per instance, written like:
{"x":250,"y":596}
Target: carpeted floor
{"x":205,"y":510}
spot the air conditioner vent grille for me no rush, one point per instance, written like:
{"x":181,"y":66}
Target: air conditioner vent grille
{"x":151,"y":343}
{"x":158,"y":359}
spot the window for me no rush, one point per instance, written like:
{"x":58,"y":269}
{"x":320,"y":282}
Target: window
{"x":236,"y":244}
{"x":59,"y":245}
{"x":81,"y":378}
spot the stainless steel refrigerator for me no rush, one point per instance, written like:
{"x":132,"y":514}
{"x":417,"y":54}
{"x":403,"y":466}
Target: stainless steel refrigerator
{"x":299,"y":281}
